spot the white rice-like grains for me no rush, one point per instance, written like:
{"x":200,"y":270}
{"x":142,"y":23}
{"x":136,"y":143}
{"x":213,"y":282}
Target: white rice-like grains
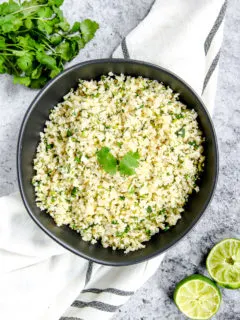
{"x":124,"y":114}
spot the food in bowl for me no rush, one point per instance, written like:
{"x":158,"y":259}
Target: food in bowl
{"x":118,"y":159}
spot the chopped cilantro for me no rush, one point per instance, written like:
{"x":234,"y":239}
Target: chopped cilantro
{"x":148,"y":232}
{"x":149,"y":209}
{"x":77,"y":159}
{"x":114,"y":222}
{"x":74,"y":191}
{"x":122,"y":198}
{"x":49,"y":146}
{"x":69,"y":133}
{"x":179,"y":116}
{"x":163,"y":211}
{"x":181,"y":132}
{"x":119,"y":144}
{"x":167,"y":227}
{"x":131,"y":190}
{"x":194,"y":144}
{"x":127,"y":229}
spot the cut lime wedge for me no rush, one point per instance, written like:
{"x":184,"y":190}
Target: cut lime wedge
{"x":223,"y":263}
{"x":197,"y":297}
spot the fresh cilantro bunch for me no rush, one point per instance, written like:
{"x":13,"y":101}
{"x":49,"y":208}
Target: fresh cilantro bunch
{"x":36,"y":40}
{"x":126,"y":166}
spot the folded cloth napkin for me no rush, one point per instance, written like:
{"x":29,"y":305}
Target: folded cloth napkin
{"x":41,"y":280}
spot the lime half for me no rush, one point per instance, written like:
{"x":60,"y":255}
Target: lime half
{"x":223,"y":263}
{"x":197,"y":297}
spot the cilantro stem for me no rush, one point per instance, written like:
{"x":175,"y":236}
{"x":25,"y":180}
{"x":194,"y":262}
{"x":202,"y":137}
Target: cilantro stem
{"x":12,"y":65}
{"x":7,"y":54}
{"x":49,"y":47}
{"x":32,"y":7}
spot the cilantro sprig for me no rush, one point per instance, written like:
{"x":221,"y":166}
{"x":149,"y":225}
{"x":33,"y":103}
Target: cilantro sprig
{"x":36,"y":40}
{"x":126,"y":166}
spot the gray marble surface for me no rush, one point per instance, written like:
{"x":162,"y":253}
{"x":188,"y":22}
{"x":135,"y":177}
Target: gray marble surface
{"x":117,"y":18}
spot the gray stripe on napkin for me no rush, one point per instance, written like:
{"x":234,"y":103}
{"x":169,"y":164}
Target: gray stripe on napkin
{"x":210,"y":71}
{"x":215,"y":27}
{"x":89,"y":272}
{"x":110,"y":290}
{"x":125,"y":49}
{"x":95,"y":304}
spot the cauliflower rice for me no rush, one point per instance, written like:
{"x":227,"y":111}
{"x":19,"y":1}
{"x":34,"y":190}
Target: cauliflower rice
{"x":124,"y":114}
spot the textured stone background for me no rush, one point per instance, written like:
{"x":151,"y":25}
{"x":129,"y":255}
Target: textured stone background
{"x":117,"y":18}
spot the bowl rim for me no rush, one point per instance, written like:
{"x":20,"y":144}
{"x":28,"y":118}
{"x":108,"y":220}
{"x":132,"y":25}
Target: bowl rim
{"x":19,"y":162}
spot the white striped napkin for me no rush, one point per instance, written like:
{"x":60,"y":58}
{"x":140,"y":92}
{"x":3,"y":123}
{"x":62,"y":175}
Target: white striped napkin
{"x":39,"y":279}
{"x":183,"y":36}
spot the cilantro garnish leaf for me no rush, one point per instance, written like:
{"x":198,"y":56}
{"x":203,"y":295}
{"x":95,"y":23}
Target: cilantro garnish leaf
{"x":107,"y":161}
{"x":129,"y":163}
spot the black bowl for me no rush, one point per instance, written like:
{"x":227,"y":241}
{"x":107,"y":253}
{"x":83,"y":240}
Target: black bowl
{"x":34,"y":121}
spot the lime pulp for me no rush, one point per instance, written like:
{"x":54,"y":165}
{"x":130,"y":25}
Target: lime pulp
{"x":223,"y":263}
{"x":197,"y":297}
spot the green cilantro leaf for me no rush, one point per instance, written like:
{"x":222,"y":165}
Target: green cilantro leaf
{"x":74,"y":191}
{"x":181,"y":132}
{"x":148,"y":232}
{"x":10,"y":23}
{"x":88,"y":29}
{"x":64,"y":25}
{"x":8,"y":7}
{"x":64,"y":51}
{"x":37,"y":72}
{"x":56,"y":3}
{"x":149,"y":209}
{"x":129,"y":163}
{"x":75,"y":27}
{"x":28,"y":24}
{"x":78,"y":159}
{"x":49,"y":146}
{"x":2,"y":65}
{"x":22,"y":80}
{"x":38,"y":83}
{"x":2,"y":43}
{"x":194,"y":144}
{"x":45,"y":26}
{"x":107,"y":161}
{"x":56,"y":39}
{"x":45,"y":12}
{"x":69,"y":133}
{"x":163,"y":211}
{"x":46,"y":60}
{"x":25,"y":62}
{"x":55,"y":72}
